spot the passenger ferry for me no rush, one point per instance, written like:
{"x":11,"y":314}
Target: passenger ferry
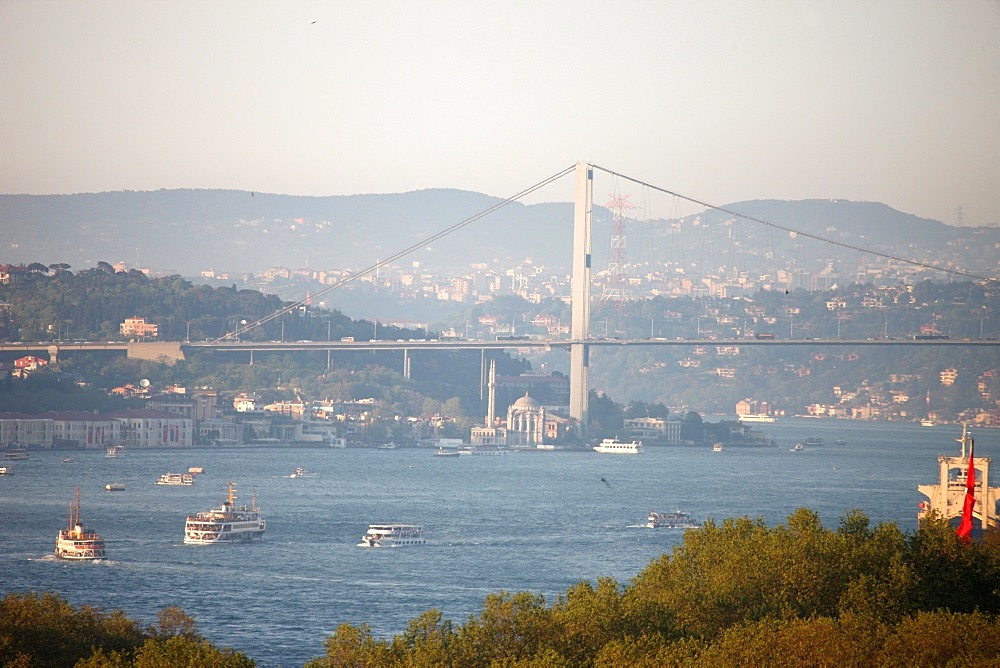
{"x":226,"y":524}
{"x":115,"y":451}
{"x":16,"y":452}
{"x":76,"y":542}
{"x":392,"y":535}
{"x":674,"y":520}
{"x":186,"y":479}
{"x":756,"y":417}
{"x":614,"y":446}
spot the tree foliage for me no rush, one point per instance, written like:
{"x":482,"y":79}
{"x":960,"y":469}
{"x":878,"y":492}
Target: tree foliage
{"x":47,"y":631}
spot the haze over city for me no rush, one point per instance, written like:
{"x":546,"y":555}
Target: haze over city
{"x":892,"y":102}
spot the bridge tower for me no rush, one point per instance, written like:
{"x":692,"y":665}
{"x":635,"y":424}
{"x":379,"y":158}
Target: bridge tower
{"x":580,"y":330}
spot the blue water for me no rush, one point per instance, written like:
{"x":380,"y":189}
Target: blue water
{"x":537,"y":521}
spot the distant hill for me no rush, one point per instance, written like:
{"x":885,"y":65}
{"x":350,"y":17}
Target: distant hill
{"x":188,"y":231}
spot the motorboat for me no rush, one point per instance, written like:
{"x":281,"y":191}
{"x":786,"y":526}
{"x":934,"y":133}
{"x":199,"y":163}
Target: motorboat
{"x":392,"y":535}
{"x":445,"y":452}
{"x":76,"y":542}
{"x":718,"y":447}
{"x":798,"y":447}
{"x":116,"y":451}
{"x":302,"y":473}
{"x":115,"y":487}
{"x":616,"y":447}
{"x":228,"y":523}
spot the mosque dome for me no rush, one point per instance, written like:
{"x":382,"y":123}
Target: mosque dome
{"x":526,"y":402}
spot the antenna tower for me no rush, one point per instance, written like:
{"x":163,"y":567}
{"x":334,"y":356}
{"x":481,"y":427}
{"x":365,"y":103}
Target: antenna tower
{"x":616,"y":287}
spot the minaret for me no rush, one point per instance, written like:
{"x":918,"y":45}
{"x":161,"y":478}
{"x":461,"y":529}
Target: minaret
{"x":491,"y":406}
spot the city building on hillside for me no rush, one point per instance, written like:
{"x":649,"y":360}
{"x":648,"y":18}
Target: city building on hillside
{"x":26,"y":429}
{"x":148,"y":428}
{"x":136,"y":326}
{"x":666,"y":430}
{"x":220,"y":432}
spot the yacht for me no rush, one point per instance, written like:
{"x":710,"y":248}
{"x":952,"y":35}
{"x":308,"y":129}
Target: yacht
{"x":228,"y":523}
{"x":392,"y":535}
{"x":718,"y":447}
{"x":674,"y":520}
{"x":614,"y":446}
{"x":927,"y":422}
{"x":115,"y":451}
{"x":76,"y":542}
{"x":185,"y":479}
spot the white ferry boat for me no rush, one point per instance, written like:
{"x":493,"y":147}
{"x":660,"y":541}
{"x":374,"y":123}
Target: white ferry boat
{"x":755,"y":417}
{"x":76,"y":542}
{"x":674,"y":520}
{"x":616,"y":447}
{"x":116,"y":451}
{"x":226,"y":524}
{"x":392,"y":535}
{"x":186,"y":479}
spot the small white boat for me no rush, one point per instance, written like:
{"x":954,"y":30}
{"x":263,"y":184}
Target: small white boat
{"x":185,"y":479}
{"x":116,"y":451}
{"x":444,"y":452}
{"x":718,"y":447}
{"x":615,"y":447}
{"x":115,"y":487}
{"x":6,"y":470}
{"x":927,"y":422}
{"x":392,"y":535}
{"x":302,"y":473}
{"x":196,"y":470}
{"x":67,"y":460}
{"x":76,"y":542}
{"x":798,"y":447}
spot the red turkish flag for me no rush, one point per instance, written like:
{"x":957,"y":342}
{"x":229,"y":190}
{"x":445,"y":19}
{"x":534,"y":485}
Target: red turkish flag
{"x":965,"y":526}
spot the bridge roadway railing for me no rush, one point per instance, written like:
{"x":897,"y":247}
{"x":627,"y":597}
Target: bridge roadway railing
{"x":174,"y":350}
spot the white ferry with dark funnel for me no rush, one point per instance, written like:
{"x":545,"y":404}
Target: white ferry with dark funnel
{"x":76,"y":542}
{"x":228,"y":523}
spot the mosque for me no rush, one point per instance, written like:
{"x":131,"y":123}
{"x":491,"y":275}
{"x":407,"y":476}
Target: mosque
{"x":529,"y":424}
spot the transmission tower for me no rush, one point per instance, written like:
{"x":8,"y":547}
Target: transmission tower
{"x":616,"y":288}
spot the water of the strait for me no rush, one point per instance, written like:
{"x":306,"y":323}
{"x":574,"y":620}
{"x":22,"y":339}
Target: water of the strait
{"x":537,"y":521}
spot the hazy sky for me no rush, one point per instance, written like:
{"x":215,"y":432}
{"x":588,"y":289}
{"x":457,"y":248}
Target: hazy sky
{"x":896,"y":102}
